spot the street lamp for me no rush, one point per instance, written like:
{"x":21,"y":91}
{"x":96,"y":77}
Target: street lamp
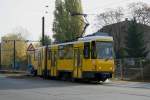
{"x":43,"y":27}
{"x":43,"y":33}
{"x":43,"y":42}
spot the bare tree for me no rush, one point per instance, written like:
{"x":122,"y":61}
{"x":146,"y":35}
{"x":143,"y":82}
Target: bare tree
{"x":111,"y":17}
{"x":23,"y":32}
{"x":140,"y":11}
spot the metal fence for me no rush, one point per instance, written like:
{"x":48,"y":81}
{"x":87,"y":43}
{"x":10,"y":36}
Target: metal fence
{"x":20,"y":66}
{"x":132,"y":69}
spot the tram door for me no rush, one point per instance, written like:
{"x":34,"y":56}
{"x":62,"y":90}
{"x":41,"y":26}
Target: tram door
{"x":39,"y":69}
{"x":77,"y":63}
{"x":53,"y":63}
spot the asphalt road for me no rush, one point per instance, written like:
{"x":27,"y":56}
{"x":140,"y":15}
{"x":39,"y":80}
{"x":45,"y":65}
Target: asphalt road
{"x":31,"y":88}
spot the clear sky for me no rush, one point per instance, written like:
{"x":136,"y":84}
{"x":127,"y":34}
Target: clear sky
{"x":27,"y":14}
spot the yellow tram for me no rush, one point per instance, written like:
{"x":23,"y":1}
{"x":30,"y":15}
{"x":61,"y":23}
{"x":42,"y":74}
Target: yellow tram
{"x":88,"y":58}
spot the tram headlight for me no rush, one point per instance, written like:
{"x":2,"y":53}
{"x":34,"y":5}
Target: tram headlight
{"x":111,"y":68}
{"x":100,"y":68}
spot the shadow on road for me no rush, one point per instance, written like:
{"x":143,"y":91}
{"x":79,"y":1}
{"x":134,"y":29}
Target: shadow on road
{"x":9,"y":82}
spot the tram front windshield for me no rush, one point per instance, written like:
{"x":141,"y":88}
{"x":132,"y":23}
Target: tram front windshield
{"x":104,"y":50}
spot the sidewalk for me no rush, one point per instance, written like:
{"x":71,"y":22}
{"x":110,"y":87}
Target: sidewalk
{"x":12,"y":71}
{"x":128,"y":84}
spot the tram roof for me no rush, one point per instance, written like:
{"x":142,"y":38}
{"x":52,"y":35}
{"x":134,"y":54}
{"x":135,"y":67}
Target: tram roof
{"x":91,"y":38}
{"x":86,"y":39}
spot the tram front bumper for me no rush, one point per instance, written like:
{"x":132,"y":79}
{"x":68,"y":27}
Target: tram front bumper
{"x":96,"y":75}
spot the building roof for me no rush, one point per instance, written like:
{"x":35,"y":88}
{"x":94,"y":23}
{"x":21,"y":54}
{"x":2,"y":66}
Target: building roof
{"x":98,"y":34}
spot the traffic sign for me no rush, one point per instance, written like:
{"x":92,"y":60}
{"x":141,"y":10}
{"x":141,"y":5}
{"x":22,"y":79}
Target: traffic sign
{"x":31,"y":47}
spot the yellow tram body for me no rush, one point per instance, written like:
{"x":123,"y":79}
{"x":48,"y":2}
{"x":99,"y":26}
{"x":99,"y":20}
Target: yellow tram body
{"x":90,"y":58}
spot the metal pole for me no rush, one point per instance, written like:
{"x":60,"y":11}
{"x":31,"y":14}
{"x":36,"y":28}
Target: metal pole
{"x":43,"y":26}
{"x":46,"y":53}
{"x":0,"y":56}
{"x":141,"y":66}
{"x":14,"y":53}
{"x":121,"y":69}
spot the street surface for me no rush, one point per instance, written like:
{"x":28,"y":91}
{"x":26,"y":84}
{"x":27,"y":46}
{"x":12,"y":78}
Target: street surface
{"x":34,"y":88}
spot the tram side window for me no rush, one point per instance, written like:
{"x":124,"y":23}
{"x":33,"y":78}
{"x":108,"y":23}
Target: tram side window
{"x":61,"y":54}
{"x":93,"y":50}
{"x":69,"y":51}
{"x":66,"y":52}
{"x":86,"y":51}
{"x":53,"y":58}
